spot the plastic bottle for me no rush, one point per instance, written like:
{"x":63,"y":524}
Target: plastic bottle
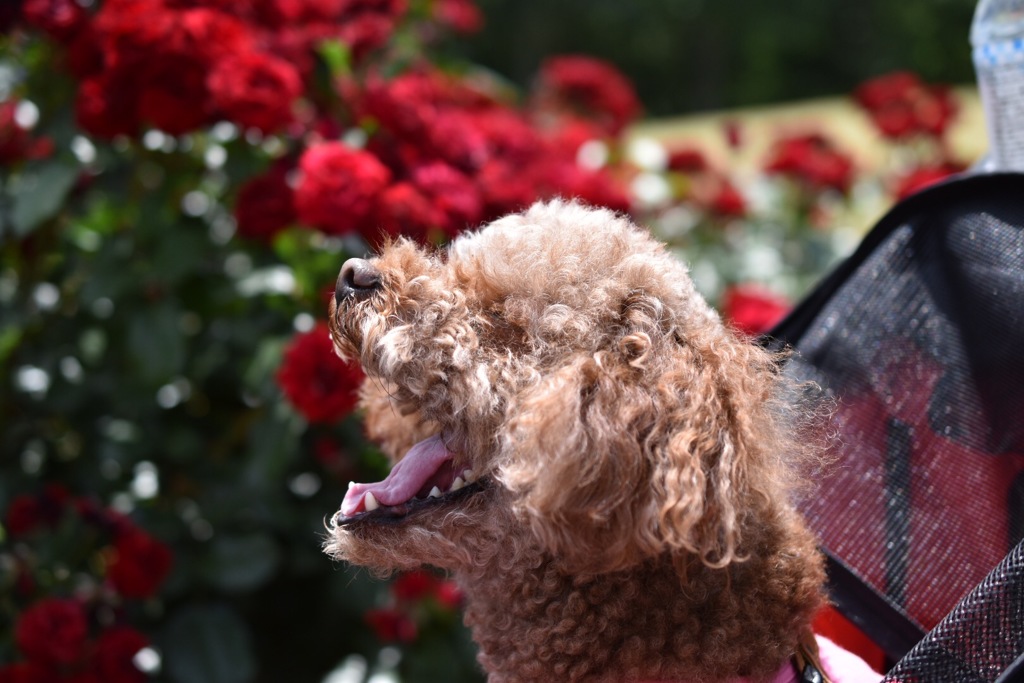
{"x":997,"y":36}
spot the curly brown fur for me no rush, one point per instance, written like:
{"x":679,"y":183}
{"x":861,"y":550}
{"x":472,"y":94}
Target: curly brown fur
{"x":637,"y":456}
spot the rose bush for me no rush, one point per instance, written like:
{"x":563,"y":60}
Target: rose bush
{"x":103,"y":563}
{"x":180,"y":181}
{"x":52,"y":632}
{"x":315,"y":380}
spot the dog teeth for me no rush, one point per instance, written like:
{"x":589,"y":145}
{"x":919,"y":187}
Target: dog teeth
{"x":370,"y":503}
{"x":469,"y":476}
{"x":457,"y":484}
{"x":351,"y":484}
{"x":434,"y":493}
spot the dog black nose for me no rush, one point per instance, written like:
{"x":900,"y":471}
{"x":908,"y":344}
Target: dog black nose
{"x":357,"y":278}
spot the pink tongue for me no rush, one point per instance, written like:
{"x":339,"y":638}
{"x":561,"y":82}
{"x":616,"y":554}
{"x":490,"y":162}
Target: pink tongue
{"x":405,"y":479}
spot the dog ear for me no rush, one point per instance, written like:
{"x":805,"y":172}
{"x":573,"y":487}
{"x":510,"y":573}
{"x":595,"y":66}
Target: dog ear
{"x":662,"y":442}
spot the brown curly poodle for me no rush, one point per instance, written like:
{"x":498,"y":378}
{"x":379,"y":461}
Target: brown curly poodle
{"x":605,"y":468}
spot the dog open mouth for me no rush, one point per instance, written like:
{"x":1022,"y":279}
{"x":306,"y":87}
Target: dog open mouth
{"x":426,"y":477}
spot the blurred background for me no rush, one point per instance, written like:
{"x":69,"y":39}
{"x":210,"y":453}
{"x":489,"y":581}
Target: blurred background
{"x":180,"y":181}
{"x":688,"y":56}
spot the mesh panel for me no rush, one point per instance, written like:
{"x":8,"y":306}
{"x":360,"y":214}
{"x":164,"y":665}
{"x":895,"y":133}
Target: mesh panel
{"x":920,"y":339}
{"x":979,"y":639}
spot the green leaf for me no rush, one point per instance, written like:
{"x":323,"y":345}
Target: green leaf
{"x":156,"y":342}
{"x":184,"y":446}
{"x":337,"y":56}
{"x":265,"y":362}
{"x":208,"y":644}
{"x":111,"y":272}
{"x":273,"y":446}
{"x":242,"y":563}
{"x":181,"y":256}
{"x":313,"y":265}
{"x":38,"y":193}
{"x":9,"y":338}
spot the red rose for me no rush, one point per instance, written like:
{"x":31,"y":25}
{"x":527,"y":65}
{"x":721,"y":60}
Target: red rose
{"x":452,"y":193}
{"x":17,"y":143}
{"x":418,"y":585}
{"x":923,"y":177}
{"x":108,"y":521}
{"x":564,"y":140}
{"x":363,"y":25}
{"x":156,"y":60}
{"x":510,"y":137}
{"x":83,"y":56}
{"x":412,"y":104}
{"x":208,"y":35}
{"x":57,"y":497}
{"x":62,"y":19}
{"x":10,"y":16}
{"x":83,"y":677}
{"x":414,"y":586}
{"x":687,"y":160}
{"x":293,"y":44}
{"x":339,"y":186}
{"x":733,"y":131}
{"x":901,"y":105}
{"x":753,"y":310}
{"x":265,"y":206}
{"x":934,"y":110}
{"x":449,"y":595}
{"x":131,"y":31}
{"x":327,"y":451}
{"x":389,"y":8}
{"x":24,"y":581}
{"x":140,"y":564}
{"x":23,"y":515}
{"x":391,"y":626}
{"x":404,"y":210}
{"x":407,"y":105}
{"x":597,"y":188}
{"x":115,"y":651}
{"x":173,"y":95}
{"x":590,"y":87}
{"x":894,"y":122}
{"x":28,"y":512}
{"x":811,"y":159}
{"x":884,"y":90}
{"x":461,"y":15}
{"x":105,"y":108}
{"x":365,"y":33}
{"x":255,"y":90}
{"x":296,"y":27}
{"x":27,"y":672}
{"x":456,"y":138}
{"x":272,"y":13}
{"x":728,"y":202}
{"x":52,"y":632}
{"x":320,"y":385}
{"x":505,"y":188}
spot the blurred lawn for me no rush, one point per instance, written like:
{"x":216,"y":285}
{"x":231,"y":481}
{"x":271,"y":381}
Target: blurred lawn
{"x":838,"y":118}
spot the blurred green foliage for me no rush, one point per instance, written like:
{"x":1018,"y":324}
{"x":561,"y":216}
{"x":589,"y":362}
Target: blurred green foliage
{"x":138,"y":339}
{"x":689,"y":55}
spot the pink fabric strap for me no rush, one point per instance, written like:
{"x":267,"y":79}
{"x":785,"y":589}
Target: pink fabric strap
{"x":841,"y":666}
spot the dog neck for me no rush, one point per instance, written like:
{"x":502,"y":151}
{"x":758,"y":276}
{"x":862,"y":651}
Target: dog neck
{"x":534,"y":622}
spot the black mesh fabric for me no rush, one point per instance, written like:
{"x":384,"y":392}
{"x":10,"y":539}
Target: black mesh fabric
{"x":981,"y":640}
{"x":919,"y":337}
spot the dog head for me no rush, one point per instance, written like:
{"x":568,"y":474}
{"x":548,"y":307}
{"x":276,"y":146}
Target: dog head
{"x":554,"y":381}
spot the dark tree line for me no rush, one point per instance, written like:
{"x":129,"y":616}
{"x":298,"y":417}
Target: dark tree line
{"x":692,"y":55}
